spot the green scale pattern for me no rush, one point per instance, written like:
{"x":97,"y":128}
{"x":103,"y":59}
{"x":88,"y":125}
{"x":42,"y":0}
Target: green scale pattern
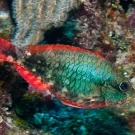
{"x":77,"y":77}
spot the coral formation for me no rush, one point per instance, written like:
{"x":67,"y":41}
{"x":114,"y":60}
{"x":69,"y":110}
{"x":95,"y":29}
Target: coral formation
{"x":2,"y":125}
{"x":5,"y":21}
{"x":29,"y":104}
{"x":59,"y":119}
{"x":6,"y":79}
{"x":125,"y":59}
{"x":103,"y":28}
{"x":131,"y":17}
{"x":33,"y":18}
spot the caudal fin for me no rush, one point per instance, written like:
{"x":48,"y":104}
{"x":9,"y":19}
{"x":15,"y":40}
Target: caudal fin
{"x":30,"y":77}
{"x":7,"y":48}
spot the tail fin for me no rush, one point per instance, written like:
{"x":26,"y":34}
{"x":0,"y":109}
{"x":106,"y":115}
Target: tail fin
{"x":31,"y":78}
{"x":7,"y":48}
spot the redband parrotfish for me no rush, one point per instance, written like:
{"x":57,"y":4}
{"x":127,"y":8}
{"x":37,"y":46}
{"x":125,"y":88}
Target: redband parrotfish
{"x":77,"y":77}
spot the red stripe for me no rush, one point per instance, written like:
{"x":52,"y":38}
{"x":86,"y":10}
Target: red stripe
{"x":3,"y":57}
{"x":5,"y":45}
{"x":31,"y":78}
{"x":52,"y":47}
{"x":99,"y":105}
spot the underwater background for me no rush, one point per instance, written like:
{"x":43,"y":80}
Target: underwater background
{"x":105,"y":27}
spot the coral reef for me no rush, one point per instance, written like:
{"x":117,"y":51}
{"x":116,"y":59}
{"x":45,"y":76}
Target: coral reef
{"x":103,"y":28}
{"x":98,"y":25}
{"x":10,"y":82}
{"x":128,"y":112}
{"x":6,"y":79}
{"x":29,"y":104}
{"x":2,"y":125}
{"x":131,"y":17}
{"x":5,"y":96}
{"x":6,"y":26}
{"x":59,"y":119}
{"x":125,"y":58}
{"x":33,"y":18}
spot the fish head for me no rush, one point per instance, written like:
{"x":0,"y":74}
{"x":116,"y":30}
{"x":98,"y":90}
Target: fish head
{"x":118,"y":92}
{"x":109,"y":94}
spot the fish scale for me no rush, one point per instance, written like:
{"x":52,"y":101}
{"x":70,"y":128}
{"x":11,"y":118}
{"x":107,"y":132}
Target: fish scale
{"x":84,"y":73}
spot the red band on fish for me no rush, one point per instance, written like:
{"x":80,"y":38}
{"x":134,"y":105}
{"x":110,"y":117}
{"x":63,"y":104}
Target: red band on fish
{"x":51,"y":47}
{"x":31,"y":78}
{"x":99,"y":105}
{"x":5,"y":45}
{"x":3,"y":58}
{"x":6,"y":58}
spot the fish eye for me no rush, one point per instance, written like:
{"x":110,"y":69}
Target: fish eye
{"x":124,"y":86}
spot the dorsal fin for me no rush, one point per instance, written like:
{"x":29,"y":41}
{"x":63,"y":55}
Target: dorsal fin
{"x":51,"y":47}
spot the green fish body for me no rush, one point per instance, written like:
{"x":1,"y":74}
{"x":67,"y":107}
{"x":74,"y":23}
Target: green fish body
{"x":79,"y":78}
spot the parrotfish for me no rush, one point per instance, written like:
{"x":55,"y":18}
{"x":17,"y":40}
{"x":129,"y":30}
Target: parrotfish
{"x":77,"y":77}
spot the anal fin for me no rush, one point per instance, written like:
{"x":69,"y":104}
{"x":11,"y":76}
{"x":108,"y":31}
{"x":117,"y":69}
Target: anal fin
{"x":70,"y":104}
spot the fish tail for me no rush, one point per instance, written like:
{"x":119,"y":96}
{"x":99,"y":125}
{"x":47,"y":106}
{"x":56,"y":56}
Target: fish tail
{"x":27,"y":75}
{"x":30,"y":77}
{"x":7,"y":48}
{"x":7,"y":53}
